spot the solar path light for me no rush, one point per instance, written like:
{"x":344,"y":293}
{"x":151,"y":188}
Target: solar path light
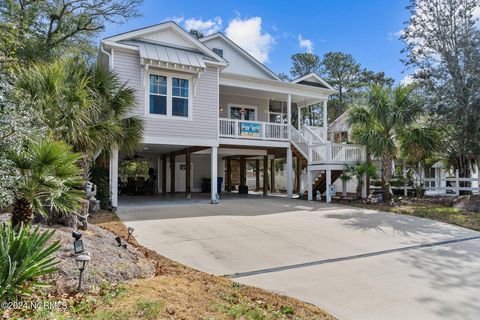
{"x":82,"y":262}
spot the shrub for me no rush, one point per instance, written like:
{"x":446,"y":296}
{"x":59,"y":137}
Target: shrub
{"x":24,"y":256}
{"x":99,"y":176}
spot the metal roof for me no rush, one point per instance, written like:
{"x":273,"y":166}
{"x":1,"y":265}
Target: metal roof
{"x":169,"y":55}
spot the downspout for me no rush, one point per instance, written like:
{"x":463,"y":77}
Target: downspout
{"x":109,"y":55}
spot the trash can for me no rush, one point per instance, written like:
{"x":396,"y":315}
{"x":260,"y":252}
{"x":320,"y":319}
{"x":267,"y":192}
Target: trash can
{"x":207,"y":184}
{"x":219,"y":184}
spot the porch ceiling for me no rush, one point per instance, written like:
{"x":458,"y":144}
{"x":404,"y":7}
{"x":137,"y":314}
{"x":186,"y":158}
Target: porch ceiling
{"x":238,"y":91}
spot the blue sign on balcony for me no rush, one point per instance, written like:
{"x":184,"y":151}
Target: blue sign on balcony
{"x":250,"y":129}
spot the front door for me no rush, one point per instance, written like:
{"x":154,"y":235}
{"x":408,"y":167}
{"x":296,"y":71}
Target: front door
{"x":243,"y":113}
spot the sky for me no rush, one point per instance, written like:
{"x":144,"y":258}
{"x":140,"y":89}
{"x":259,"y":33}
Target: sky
{"x":274,"y":30}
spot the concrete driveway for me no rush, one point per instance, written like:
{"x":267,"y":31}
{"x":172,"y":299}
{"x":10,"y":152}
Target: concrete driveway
{"x":354,"y":263}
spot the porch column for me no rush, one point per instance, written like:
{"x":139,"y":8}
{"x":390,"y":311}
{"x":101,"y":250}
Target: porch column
{"x":228,"y":182}
{"x":289,"y":172}
{"x":265,"y":175}
{"x":299,"y":117}
{"x":309,"y":185}
{"x":289,"y":113}
{"x":114,"y":177}
{"x":257,"y":175}
{"x":325,"y":120}
{"x":298,"y":174}
{"x":158,"y":173}
{"x":272,"y":175}
{"x":188,"y":173}
{"x":344,"y":188}
{"x":243,"y":175}
{"x":364,"y":187}
{"x":213,"y":180}
{"x":328,"y":182}
{"x":164,"y":174}
{"x":172,"y":173}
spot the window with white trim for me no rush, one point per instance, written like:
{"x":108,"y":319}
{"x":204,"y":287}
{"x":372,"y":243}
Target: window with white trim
{"x":179,"y":97}
{"x":158,"y":94}
{"x":169,"y":95}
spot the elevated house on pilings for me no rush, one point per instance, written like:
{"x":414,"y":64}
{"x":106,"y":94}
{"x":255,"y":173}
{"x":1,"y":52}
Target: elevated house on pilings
{"x":209,"y":107}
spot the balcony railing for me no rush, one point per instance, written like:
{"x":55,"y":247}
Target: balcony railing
{"x":245,"y":129}
{"x":306,"y":141}
{"x":336,"y":153}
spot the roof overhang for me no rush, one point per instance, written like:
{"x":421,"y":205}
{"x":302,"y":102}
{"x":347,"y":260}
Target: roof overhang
{"x":214,"y":59}
{"x":274,"y":86}
{"x":313,"y":77}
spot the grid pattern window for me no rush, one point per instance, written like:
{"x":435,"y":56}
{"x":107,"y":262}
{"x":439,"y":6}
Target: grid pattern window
{"x":179,"y":97}
{"x":158,"y":94}
{"x":218,"y":51}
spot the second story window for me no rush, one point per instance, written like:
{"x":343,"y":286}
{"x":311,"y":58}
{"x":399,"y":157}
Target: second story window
{"x":169,"y":95}
{"x":179,"y":97}
{"x":218,"y":51}
{"x":158,"y":94}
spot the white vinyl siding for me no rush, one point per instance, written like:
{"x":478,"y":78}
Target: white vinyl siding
{"x":261,"y":104}
{"x":204,"y":124}
{"x":237,"y":63}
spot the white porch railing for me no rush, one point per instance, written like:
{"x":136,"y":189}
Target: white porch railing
{"x":319,"y":131}
{"x":306,"y":141}
{"x":311,"y":135}
{"x":300,"y":142}
{"x":337,"y":153}
{"x":233,"y":128}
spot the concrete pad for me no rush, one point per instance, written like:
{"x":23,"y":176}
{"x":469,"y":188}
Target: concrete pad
{"x":263,"y":235}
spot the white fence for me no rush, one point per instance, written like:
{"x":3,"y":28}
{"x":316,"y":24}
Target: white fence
{"x":445,"y":186}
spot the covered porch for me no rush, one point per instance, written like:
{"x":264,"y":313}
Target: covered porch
{"x":264,"y":111}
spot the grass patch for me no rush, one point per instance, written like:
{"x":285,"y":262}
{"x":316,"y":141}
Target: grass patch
{"x":452,"y":215}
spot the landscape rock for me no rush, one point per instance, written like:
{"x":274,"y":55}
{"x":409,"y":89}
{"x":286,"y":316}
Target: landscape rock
{"x":109,"y":263}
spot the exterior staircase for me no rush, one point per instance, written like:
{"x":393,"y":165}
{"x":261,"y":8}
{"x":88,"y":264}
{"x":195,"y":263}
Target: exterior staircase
{"x":322,"y":157}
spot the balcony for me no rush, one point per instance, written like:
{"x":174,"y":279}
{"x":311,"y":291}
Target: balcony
{"x":246,"y":129}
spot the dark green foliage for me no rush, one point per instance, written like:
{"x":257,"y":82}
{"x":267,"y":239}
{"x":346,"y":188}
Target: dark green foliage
{"x":100,"y":177}
{"x":24,"y":256}
{"x":442,"y":45}
{"x":49,"y":179}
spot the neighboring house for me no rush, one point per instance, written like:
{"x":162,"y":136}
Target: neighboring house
{"x":209,"y":106}
{"x":436,"y":179}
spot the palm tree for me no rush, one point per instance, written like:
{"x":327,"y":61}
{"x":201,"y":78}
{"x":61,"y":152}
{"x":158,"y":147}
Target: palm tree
{"x":49,"y":180}
{"x":360,"y":171}
{"x":388,"y":125}
{"x":84,"y":105}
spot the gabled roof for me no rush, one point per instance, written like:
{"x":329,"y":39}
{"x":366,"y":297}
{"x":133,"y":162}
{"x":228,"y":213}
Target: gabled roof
{"x":164,"y":26}
{"x":242,"y":52}
{"x":313,"y":79}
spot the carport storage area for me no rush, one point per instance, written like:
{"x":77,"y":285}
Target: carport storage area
{"x":355,"y":263}
{"x":177,"y":170}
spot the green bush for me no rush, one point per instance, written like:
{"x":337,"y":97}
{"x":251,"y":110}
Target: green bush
{"x":99,"y":176}
{"x":24,"y":256}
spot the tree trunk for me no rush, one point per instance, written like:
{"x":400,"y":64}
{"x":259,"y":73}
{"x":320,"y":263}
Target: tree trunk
{"x":22,"y":212}
{"x":464,"y":171}
{"x":386,"y":176}
{"x":359,"y":186}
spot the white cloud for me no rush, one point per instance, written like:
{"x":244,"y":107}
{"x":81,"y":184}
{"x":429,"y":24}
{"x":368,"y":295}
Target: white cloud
{"x":175,"y":19}
{"x":476,"y":12}
{"x":408,"y":79}
{"x":306,"y":44}
{"x":207,"y":27}
{"x":247,"y":33}
{"x":395,"y":35}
